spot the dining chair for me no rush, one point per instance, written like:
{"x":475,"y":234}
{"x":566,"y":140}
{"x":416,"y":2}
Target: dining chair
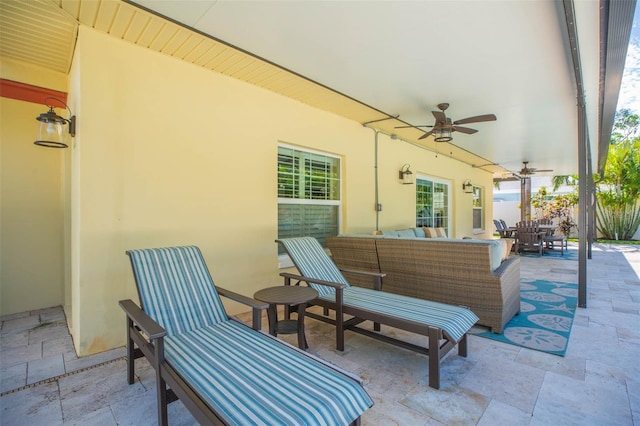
{"x":529,"y":236}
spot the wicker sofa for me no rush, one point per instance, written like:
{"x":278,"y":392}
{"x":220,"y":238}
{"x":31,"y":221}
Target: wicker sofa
{"x":458,"y":272}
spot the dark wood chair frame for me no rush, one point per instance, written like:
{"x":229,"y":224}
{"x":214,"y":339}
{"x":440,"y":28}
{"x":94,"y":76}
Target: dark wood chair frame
{"x":528,"y":235}
{"x":148,"y":336}
{"x":438,"y":344}
{"x":502,"y":229}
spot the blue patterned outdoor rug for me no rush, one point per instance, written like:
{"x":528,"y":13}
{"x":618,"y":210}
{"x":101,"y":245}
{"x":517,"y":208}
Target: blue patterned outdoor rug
{"x":569,"y":254}
{"x":544,"y":323}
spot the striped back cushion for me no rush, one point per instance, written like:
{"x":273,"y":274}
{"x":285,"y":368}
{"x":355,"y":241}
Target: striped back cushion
{"x":175,"y":288}
{"x":435,"y":232}
{"x":313,"y":262}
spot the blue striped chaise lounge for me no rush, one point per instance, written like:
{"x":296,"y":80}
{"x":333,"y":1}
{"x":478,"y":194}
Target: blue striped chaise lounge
{"x":444,"y":325}
{"x":224,"y":371}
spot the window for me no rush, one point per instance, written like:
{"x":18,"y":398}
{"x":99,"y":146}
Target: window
{"x":432,"y":203}
{"x":308,"y":194}
{"x":478,"y":209}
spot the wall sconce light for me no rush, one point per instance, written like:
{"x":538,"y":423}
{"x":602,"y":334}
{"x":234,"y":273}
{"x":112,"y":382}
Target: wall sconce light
{"x":467,"y":187}
{"x":405,"y":175}
{"x":442,"y":134}
{"x":51,"y":134}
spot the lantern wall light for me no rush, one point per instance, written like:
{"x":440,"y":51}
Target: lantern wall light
{"x":467,"y":187}
{"x":51,"y":133}
{"x":405,"y":175}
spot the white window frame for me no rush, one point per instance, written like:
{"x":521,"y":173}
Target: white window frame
{"x":283,"y":259}
{"x":481,"y":208}
{"x":449,"y":198}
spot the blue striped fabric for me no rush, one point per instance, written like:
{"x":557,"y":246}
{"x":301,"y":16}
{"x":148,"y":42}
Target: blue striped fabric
{"x":176,"y":289}
{"x":454,"y":321}
{"x":246,"y":377}
{"x":313,"y":262}
{"x":280,"y":386}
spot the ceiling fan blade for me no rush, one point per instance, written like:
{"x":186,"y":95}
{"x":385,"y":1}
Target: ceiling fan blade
{"x":426,"y":134}
{"x":440,"y":117}
{"x":419,"y":125}
{"x":476,"y":119}
{"x":466,"y":130}
{"x":532,"y":170}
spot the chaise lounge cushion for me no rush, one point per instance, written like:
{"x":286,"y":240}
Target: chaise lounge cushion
{"x":244,"y":375}
{"x":192,"y":304}
{"x":466,"y":272}
{"x":454,"y":321}
{"x":250,"y":378}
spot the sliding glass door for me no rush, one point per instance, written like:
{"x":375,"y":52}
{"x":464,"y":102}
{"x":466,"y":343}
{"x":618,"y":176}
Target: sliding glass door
{"x":433,"y":203}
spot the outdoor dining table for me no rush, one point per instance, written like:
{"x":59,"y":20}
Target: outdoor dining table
{"x":550,"y":228}
{"x":550,"y":239}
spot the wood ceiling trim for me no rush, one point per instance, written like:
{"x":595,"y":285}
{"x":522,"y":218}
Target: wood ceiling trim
{"x":29,"y":93}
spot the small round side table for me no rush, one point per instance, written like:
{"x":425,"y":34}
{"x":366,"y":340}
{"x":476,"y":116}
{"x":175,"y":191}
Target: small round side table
{"x":287,"y":295}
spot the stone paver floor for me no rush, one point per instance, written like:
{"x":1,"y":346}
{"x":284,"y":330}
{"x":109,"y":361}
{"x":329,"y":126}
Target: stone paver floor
{"x":43,"y":382}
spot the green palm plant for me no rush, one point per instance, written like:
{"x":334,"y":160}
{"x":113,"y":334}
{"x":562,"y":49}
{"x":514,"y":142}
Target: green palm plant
{"x":618,"y":187}
{"x":618,"y":201}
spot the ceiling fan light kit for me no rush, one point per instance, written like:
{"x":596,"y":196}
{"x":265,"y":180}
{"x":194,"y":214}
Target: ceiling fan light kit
{"x":443,"y":134}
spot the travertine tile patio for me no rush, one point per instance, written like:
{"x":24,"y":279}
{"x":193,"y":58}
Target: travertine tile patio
{"x":43,"y":382}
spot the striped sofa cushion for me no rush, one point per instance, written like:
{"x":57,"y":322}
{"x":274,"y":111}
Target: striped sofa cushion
{"x":435,"y":232}
{"x":250,"y":378}
{"x":176,"y":289}
{"x":313,"y":262}
{"x":454,"y":321}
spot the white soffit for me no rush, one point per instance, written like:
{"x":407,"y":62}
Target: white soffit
{"x":506,"y":58}
{"x":509,"y":58}
{"x":588,"y":17}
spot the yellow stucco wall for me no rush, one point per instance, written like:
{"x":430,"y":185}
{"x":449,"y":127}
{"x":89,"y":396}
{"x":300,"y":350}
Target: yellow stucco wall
{"x":168,"y":153}
{"x":31,"y":254}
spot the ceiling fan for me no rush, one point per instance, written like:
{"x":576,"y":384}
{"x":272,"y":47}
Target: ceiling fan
{"x":444,"y":126}
{"x":525,"y":172}
{"x":528,"y":171}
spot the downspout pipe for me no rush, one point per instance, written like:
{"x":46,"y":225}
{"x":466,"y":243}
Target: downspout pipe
{"x":377,"y":206}
{"x":375,"y":176}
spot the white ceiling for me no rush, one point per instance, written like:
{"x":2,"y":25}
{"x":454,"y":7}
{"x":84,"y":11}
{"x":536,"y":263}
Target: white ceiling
{"x":368,"y":60}
{"x":509,"y":58}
